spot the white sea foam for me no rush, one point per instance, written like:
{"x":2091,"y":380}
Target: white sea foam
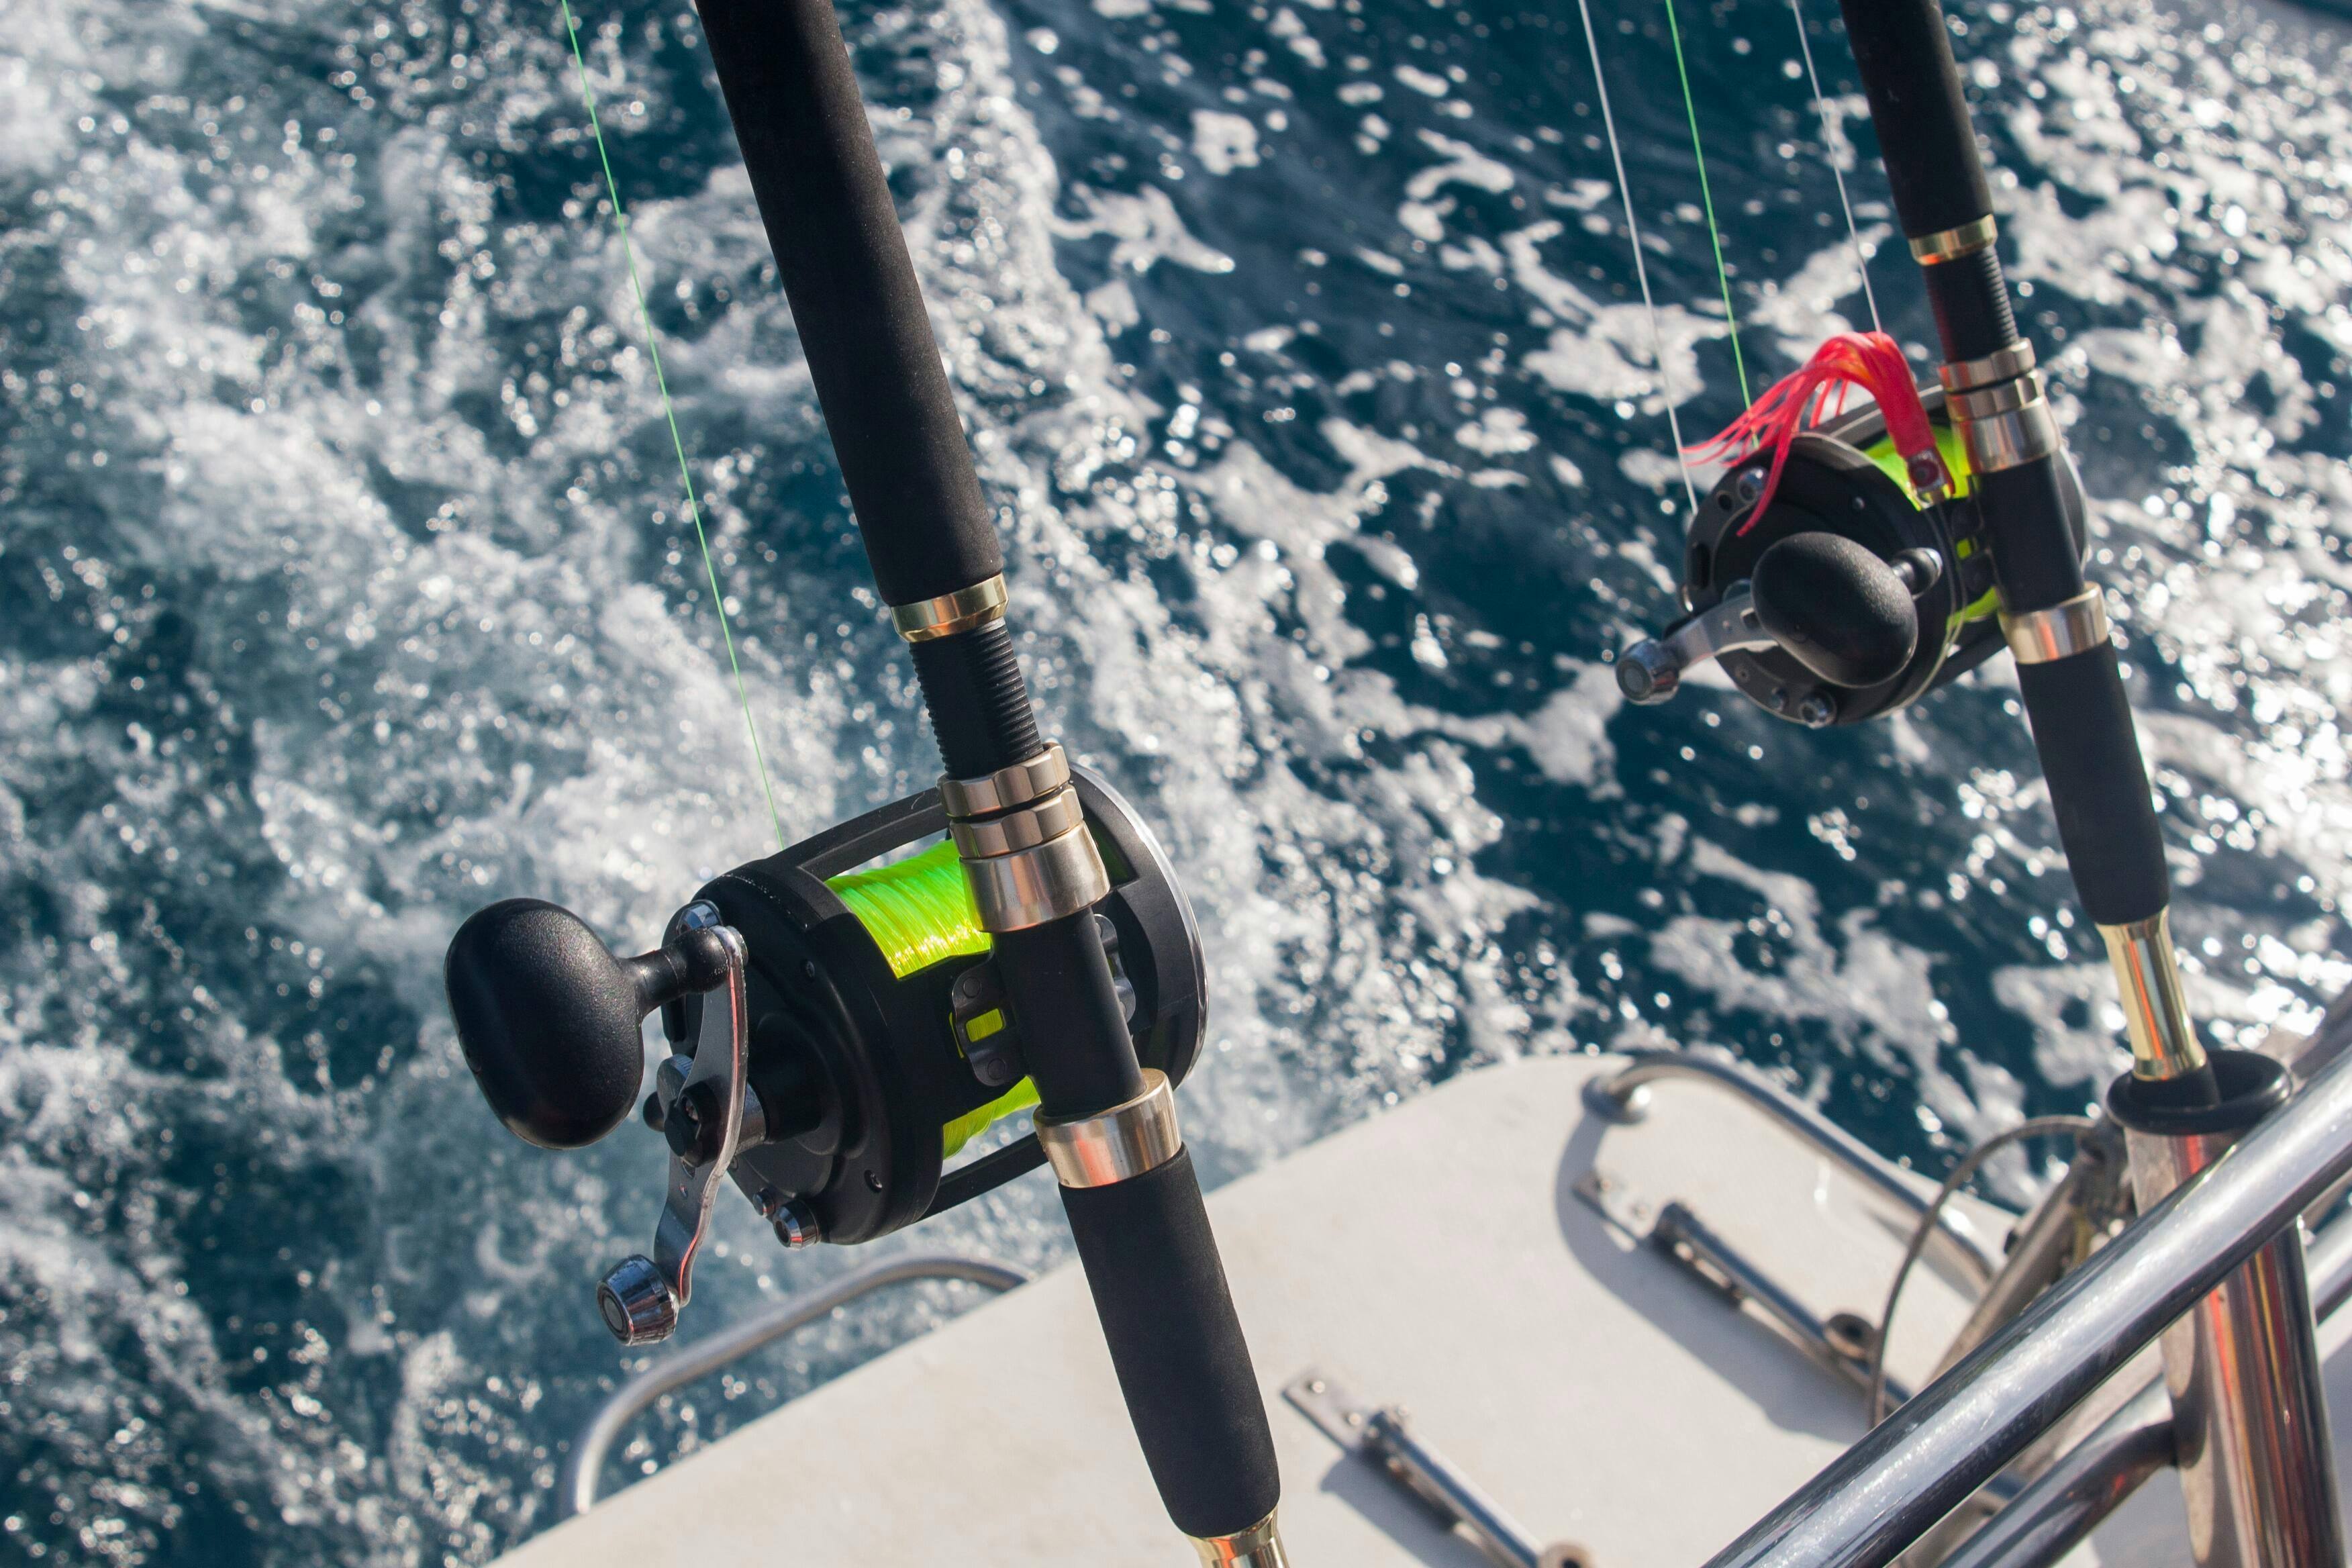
{"x":452,"y":640}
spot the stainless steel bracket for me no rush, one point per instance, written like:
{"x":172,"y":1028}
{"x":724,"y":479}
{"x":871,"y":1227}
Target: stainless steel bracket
{"x":1841,"y":1342}
{"x":1384,"y":1435}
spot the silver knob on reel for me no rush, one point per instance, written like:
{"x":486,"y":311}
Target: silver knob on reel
{"x":637,"y":1302}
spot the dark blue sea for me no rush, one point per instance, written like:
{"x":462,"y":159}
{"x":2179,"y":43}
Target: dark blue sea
{"x":344,"y":587}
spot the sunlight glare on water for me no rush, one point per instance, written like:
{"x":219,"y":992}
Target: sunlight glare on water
{"x":344,"y":587}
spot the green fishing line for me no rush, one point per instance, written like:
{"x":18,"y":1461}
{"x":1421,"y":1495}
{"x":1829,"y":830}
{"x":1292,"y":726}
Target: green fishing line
{"x":669,"y":414}
{"x":972,"y":1123}
{"x":1706,"y":202}
{"x":1956,"y":463}
{"x":919,"y":910}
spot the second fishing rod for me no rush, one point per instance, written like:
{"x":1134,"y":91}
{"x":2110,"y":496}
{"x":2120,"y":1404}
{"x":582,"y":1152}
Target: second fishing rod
{"x":1843,"y":568}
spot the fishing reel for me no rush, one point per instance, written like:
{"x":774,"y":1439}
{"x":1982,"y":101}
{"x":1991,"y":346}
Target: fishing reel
{"x":835,"y":1028}
{"x":1846,"y":599}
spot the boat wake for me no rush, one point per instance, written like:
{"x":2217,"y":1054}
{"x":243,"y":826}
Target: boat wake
{"x":348,"y":587}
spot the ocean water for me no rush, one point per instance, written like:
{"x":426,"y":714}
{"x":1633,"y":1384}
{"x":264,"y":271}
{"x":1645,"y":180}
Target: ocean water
{"x":344,"y":587}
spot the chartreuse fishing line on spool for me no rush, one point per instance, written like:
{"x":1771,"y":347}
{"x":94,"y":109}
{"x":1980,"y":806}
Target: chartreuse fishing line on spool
{"x":919,"y":910}
{"x":1985,"y":604}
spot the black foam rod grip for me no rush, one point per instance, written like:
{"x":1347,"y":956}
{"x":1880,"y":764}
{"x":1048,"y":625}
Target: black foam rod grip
{"x":826,"y":204}
{"x":2035,"y":555}
{"x":1177,"y":1345}
{"x":1908,"y":75}
{"x":2098,"y":786}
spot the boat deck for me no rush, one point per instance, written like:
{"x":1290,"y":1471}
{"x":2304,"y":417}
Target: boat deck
{"x":1436,"y":1257}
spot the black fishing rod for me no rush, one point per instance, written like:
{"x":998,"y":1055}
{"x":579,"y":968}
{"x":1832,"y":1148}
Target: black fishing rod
{"x":2244,"y":1368}
{"x":2053,"y":621}
{"x":1837,"y":574}
{"x":1841,"y":571}
{"x":1052,"y":957}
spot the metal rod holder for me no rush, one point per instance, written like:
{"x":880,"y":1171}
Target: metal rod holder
{"x":2249,"y":1413}
{"x":1959,"y":1432}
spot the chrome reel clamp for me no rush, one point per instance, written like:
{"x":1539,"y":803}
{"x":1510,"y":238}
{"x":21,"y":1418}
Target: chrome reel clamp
{"x":1851,"y":594}
{"x":834,"y":1020}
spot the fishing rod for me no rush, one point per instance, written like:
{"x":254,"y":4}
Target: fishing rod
{"x":1843,"y":567}
{"x":840,"y":1023}
{"x":1846,"y":567}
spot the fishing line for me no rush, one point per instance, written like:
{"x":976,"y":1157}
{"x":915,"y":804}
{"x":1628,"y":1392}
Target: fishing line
{"x":669,"y":414}
{"x":1830,"y":136}
{"x":1641,"y":273}
{"x":1707,"y":201}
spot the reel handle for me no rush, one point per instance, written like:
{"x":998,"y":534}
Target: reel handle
{"x":549,"y":1017}
{"x":551,"y":1021}
{"x":1835,"y":609}
{"x":1821,"y":599}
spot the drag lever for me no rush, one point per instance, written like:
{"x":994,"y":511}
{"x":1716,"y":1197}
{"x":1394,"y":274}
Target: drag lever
{"x":552,"y":1024}
{"x":1826,"y":600}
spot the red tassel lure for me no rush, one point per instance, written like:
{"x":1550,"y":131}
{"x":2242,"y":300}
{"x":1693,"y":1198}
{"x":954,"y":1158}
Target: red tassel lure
{"x":1871,"y":360}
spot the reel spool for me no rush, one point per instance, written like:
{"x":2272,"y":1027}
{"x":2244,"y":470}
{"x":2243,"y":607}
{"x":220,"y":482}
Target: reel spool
{"x":1842,"y":479}
{"x":857,"y":1042}
{"x":879,"y":1047}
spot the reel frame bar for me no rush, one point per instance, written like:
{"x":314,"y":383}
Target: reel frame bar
{"x":1150,"y":1258}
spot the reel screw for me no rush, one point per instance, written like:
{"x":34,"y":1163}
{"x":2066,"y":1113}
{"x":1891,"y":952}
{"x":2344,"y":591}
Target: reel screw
{"x":692,"y":1128}
{"x":1816,"y":711}
{"x":794,"y":1223}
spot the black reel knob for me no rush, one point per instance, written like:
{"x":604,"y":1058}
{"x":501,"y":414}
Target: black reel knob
{"x":550,"y":1019}
{"x":1836,"y":608}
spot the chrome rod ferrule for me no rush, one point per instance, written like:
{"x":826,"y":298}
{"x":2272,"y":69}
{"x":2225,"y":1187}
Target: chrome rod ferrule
{"x":1259,"y":1546}
{"x":1022,"y":835}
{"x":1025,"y":829}
{"x":2005,"y":425}
{"x":944,"y":616}
{"x":2164,"y":1041}
{"x":1043,"y":882}
{"x":1951,"y":244}
{"x":1127,"y":1140}
{"x":1030,"y":779}
{"x":2001,"y":364}
{"x":2059,"y":631}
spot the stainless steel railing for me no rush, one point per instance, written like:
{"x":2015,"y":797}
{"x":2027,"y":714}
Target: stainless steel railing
{"x":2058,"y":1508}
{"x":577,"y":1487}
{"x":1888,"y":1488}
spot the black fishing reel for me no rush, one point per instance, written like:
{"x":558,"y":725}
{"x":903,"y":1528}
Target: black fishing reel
{"x":1846,"y":599}
{"x":836,"y":1029}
